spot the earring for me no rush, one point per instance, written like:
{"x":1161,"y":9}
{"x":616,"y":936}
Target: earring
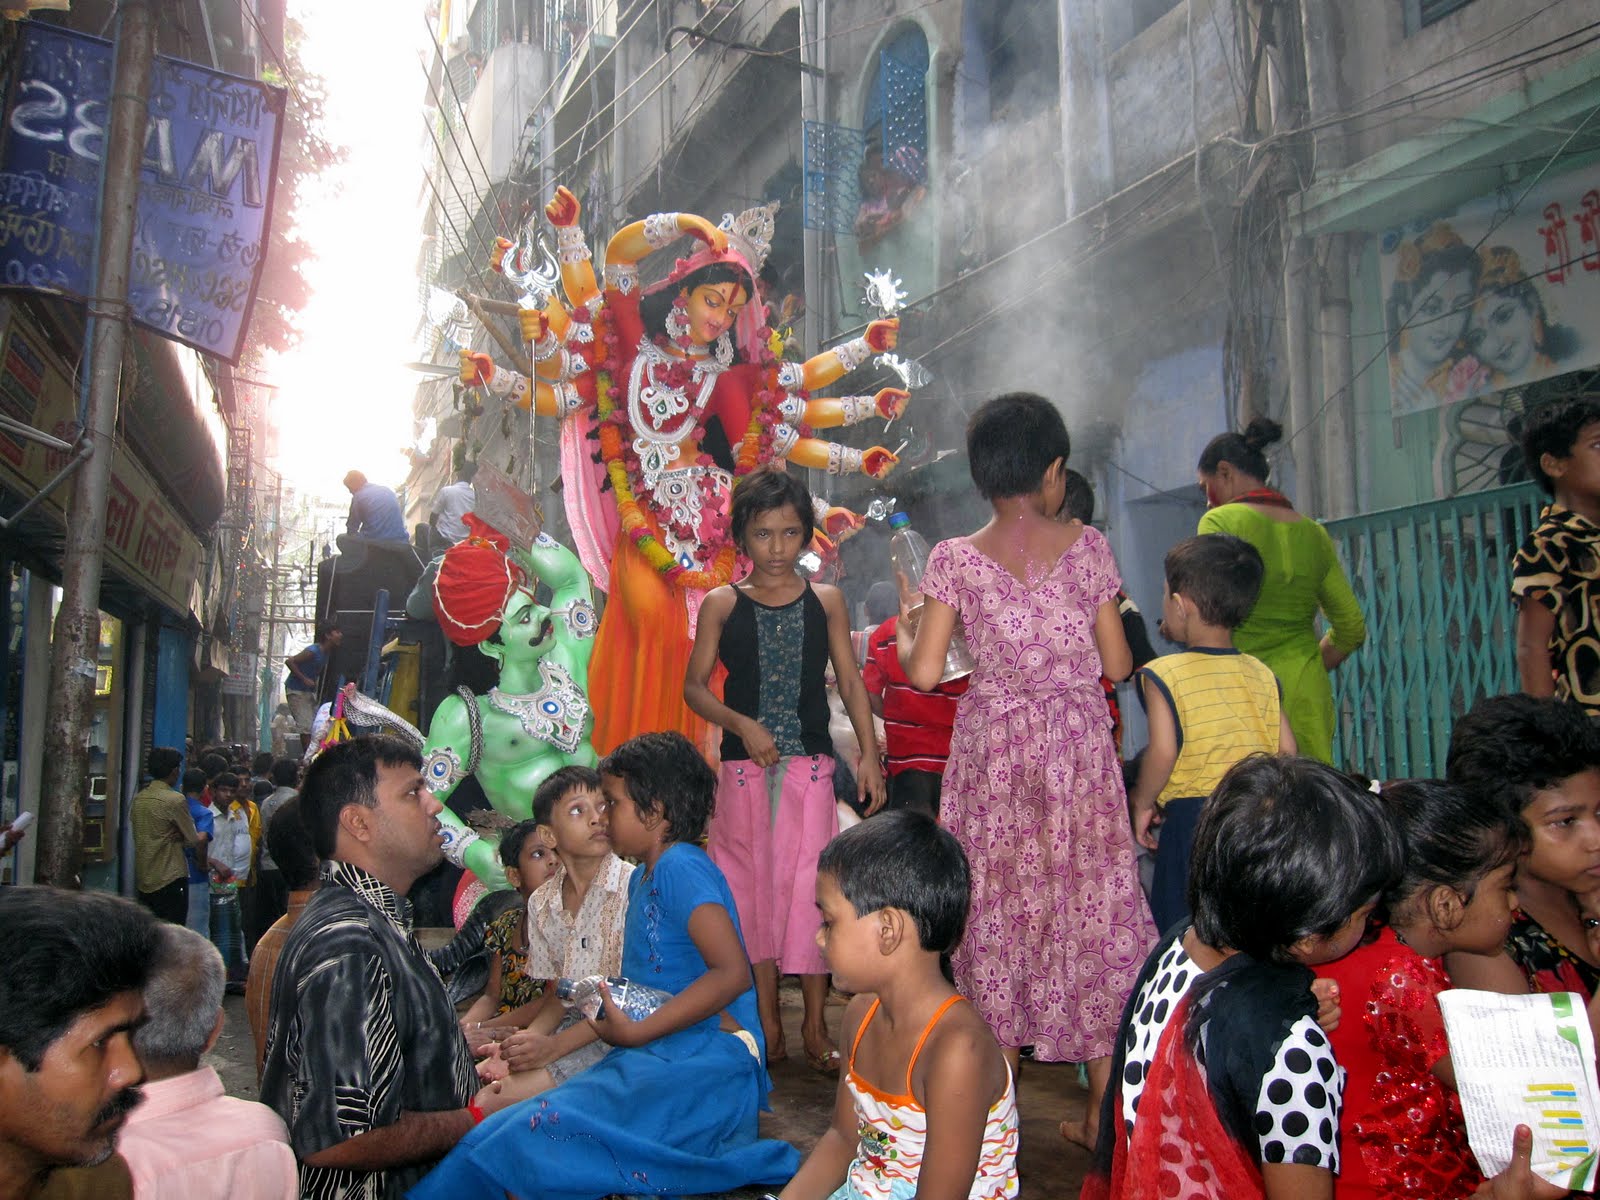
{"x":677,"y":320}
{"x":725,"y":349}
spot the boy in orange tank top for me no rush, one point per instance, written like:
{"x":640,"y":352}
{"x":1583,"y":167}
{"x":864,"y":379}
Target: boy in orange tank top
{"x":926,"y":1086}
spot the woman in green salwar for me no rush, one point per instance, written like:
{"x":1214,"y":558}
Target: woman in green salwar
{"x":1303,"y":577}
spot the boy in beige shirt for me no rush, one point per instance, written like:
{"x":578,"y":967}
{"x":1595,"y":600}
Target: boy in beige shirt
{"x":575,"y":926}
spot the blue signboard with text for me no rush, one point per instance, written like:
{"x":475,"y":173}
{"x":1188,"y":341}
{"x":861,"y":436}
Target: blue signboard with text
{"x":205,"y":186}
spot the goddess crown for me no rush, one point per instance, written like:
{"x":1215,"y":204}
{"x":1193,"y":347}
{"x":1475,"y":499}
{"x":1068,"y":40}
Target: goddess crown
{"x":750,"y":233}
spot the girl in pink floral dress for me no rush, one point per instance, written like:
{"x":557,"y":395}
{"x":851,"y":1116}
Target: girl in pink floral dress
{"x":1033,"y":791}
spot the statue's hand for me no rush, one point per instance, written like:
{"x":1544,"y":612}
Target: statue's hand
{"x":563,"y":210}
{"x":534,"y":323}
{"x":476,"y":369}
{"x":878,"y":462}
{"x":891,"y":402}
{"x":705,"y":231}
{"x":883,"y":336}
{"x":841,"y":524}
{"x":497,"y":260}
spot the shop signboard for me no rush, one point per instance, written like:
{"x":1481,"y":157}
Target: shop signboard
{"x":147,"y":542}
{"x":1501,"y":292}
{"x":205,"y":186}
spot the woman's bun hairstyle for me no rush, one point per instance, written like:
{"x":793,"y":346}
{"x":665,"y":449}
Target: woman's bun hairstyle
{"x":1261,"y":433}
{"x":1243,"y":450}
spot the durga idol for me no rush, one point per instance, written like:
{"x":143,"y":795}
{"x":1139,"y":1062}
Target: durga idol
{"x":667,"y":396}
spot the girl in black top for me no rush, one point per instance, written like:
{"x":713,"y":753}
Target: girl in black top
{"x":774,"y":633}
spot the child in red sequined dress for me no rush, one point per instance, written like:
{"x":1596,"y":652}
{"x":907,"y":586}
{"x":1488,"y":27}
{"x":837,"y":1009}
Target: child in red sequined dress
{"x":1401,"y":1134}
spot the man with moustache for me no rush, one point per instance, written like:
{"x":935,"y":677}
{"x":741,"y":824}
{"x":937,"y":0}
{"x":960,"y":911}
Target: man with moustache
{"x":74,"y":966}
{"x":365,"y":1060}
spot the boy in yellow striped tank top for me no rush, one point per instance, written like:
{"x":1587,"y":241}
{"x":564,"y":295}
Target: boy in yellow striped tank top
{"x":1208,"y":706}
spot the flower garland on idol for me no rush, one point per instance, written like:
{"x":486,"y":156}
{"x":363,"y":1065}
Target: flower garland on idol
{"x":641,"y":520}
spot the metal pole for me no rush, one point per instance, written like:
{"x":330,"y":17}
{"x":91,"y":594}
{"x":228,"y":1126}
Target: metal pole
{"x":380,"y":624}
{"x":76,"y":644}
{"x":269,"y":660}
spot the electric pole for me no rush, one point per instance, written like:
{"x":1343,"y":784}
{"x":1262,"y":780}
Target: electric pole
{"x":75,"y":646}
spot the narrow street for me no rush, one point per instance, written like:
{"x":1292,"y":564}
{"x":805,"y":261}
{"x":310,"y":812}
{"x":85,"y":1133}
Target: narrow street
{"x":802,"y":1102}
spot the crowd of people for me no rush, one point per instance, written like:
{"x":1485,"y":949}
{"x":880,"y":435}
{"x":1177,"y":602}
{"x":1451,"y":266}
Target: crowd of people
{"x":1258,"y":1017}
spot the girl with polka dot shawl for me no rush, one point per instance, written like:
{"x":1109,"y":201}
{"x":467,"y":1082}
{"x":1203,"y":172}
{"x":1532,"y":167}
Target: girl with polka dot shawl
{"x":1401,"y":1134}
{"x":1224,"y":1085}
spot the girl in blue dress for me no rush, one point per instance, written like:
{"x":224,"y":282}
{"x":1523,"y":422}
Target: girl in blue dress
{"x":672,"y":1110}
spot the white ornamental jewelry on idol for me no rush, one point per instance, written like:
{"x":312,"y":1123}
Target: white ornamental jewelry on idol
{"x":912,"y":373}
{"x":677,"y":320}
{"x":530,"y":266}
{"x":555,"y":714}
{"x":571,"y":245}
{"x":750,"y":233}
{"x":652,"y":403}
{"x":622,"y":277}
{"x":858,"y":408}
{"x":661,"y":229}
{"x":884,"y":293}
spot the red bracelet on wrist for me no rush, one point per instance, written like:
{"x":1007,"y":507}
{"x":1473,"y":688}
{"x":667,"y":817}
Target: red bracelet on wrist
{"x":475,"y":1111}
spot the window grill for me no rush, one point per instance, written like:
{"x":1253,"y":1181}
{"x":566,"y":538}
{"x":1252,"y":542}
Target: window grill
{"x":832,"y":167}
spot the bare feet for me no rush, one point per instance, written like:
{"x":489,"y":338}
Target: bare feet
{"x":777,"y":1051}
{"x":1083,"y":1133}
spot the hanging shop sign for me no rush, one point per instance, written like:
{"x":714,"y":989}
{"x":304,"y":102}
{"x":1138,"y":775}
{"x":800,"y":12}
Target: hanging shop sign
{"x":205,"y":187}
{"x":147,"y":542}
{"x":1501,"y":292}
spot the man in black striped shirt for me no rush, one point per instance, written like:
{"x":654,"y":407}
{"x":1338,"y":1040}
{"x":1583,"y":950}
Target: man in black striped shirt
{"x":365,"y":1061}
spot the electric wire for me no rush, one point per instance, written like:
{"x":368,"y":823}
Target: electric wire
{"x":555,"y":81}
{"x":283,"y":67}
{"x":812,"y":42}
{"x":702,"y":96}
{"x":461,"y":109}
{"x":466,"y":210}
{"x":617,"y":122}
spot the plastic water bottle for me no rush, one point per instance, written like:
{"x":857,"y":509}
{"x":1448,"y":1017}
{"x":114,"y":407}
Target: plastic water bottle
{"x":909,"y":551}
{"x":634,"y":999}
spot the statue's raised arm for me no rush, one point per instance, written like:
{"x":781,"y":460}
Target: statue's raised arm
{"x":669,"y":393}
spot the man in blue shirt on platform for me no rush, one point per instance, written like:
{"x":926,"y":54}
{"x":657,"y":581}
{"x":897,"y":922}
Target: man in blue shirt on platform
{"x":374,"y":511}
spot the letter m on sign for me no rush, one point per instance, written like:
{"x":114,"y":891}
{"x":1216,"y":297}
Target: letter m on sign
{"x":218,"y":174}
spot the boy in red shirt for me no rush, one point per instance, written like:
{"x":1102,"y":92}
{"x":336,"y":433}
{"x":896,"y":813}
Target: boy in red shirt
{"x":916,"y":724}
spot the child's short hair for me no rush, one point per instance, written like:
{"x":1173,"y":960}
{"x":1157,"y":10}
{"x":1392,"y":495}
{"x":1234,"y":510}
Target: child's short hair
{"x":1011,"y":442}
{"x":514,"y":839}
{"x":194,"y":781}
{"x":663,"y":773}
{"x":1221,"y":573}
{"x":904,"y":860}
{"x":1506,"y":748}
{"x":1450,"y":839}
{"x":1287,"y":848}
{"x":1079,"y":501}
{"x":766,"y":491}
{"x":1553,"y":429}
{"x":556,"y":785}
